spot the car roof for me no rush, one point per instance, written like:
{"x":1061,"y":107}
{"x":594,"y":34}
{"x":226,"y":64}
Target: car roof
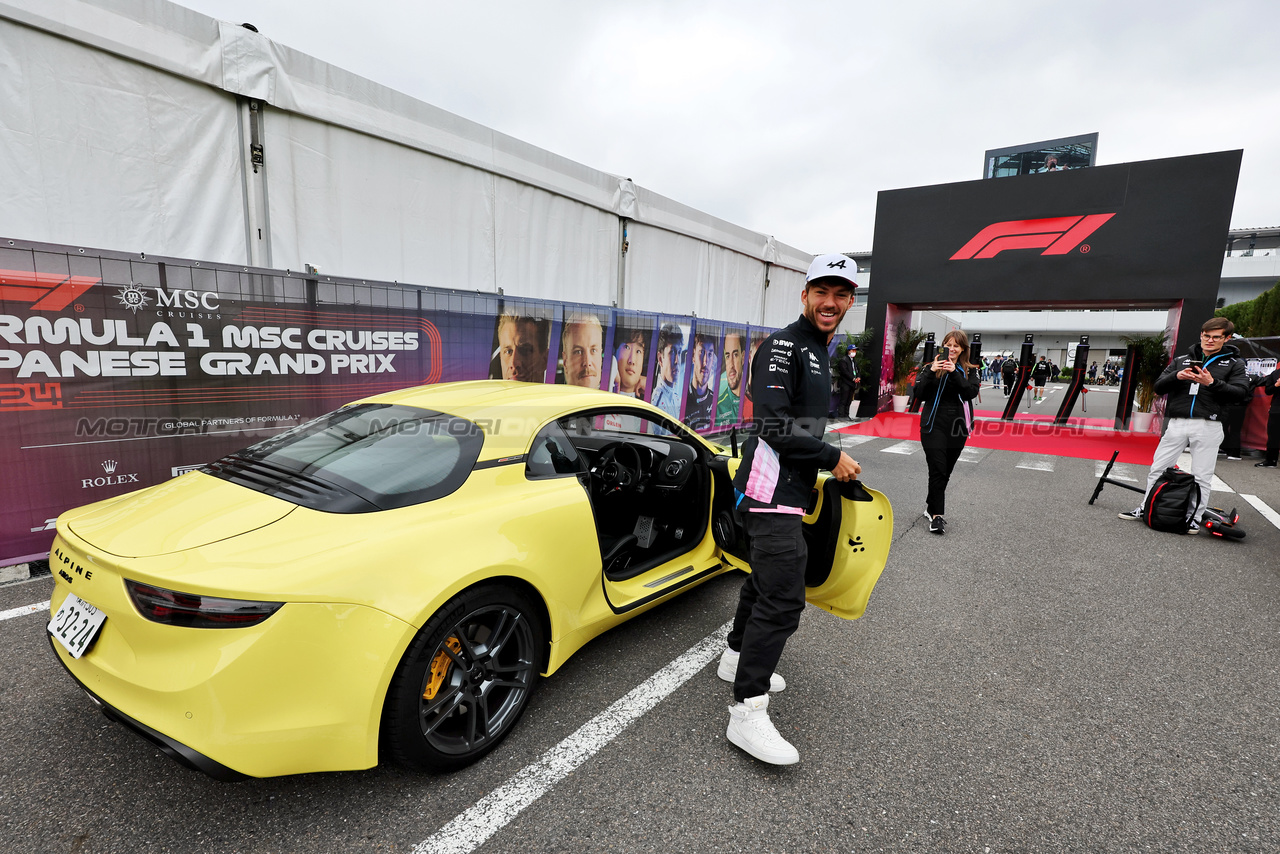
{"x":508,"y":412}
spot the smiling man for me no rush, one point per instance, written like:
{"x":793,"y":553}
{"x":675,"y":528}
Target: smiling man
{"x":730,"y":381}
{"x":791,"y":388}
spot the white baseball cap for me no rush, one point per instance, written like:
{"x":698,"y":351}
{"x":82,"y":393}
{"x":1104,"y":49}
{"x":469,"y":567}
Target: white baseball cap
{"x":833,"y":266}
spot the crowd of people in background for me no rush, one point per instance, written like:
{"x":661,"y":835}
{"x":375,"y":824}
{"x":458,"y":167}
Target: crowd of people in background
{"x":1002,"y":369}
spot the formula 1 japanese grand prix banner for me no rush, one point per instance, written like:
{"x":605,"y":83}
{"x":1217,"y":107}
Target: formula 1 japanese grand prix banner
{"x":118,"y":372}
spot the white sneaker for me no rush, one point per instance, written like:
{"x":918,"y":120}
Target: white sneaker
{"x":729,"y":669}
{"x":751,"y":729}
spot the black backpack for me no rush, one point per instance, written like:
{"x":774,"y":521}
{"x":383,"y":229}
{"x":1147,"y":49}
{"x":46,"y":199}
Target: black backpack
{"x":1172,"y":502}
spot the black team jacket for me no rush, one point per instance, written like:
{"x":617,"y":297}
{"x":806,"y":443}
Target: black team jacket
{"x":1230,"y":385}
{"x":791,"y":390}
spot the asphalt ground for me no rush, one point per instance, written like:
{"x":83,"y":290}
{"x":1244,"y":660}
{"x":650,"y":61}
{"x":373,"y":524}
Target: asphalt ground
{"x":1045,"y":677}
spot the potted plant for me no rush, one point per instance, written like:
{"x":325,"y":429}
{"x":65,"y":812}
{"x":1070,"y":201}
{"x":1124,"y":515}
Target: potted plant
{"x":1152,"y":357}
{"x":905,"y":363}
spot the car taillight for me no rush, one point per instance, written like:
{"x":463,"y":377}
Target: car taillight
{"x":193,"y":611}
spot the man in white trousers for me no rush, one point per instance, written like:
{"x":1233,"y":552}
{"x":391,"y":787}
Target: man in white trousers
{"x":1199,"y":385}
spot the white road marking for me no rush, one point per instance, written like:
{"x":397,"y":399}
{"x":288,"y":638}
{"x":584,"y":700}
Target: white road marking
{"x":974,"y":455}
{"x":1262,"y":507}
{"x":1036,"y":462}
{"x":24,"y":610}
{"x":470,"y":829}
{"x":1119,"y":471}
{"x":904,"y":447}
{"x":14,"y":573}
{"x":855,"y":440}
{"x":1215,"y":485}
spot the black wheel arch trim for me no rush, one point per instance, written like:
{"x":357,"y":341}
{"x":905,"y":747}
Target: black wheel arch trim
{"x":517,"y":583}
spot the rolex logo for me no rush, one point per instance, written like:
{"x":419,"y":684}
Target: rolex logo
{"x":111,"y":479}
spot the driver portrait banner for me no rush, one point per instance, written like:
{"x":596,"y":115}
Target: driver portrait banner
{"x":632,"y":354}
{"x":671,"y":363}
{"x":732,"y":379}
{"x":704,"y":376}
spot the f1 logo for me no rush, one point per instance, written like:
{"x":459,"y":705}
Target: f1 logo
{"x":1060,"y":234}
{"x":43,"y":291}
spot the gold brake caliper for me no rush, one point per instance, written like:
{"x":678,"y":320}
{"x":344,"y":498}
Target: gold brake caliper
{"x":440,"y":668}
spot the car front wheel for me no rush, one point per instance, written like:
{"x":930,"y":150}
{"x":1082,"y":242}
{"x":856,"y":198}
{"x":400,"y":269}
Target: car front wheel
{"x":464,"y":680}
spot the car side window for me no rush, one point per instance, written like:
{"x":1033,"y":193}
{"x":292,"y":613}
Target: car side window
{"x":553,"y":455}
{"x":619,"y":424}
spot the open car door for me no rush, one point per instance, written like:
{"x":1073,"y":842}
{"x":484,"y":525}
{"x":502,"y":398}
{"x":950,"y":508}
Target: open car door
{"x":848,"y":535}
{"x":848,"y":529}
{"x":649,"y":490}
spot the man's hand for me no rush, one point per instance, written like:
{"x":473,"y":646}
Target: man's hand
{"x":847,"y":469}
{"x":1196,"y":375}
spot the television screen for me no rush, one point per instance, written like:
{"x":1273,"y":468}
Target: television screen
{"x":1054,"y":155}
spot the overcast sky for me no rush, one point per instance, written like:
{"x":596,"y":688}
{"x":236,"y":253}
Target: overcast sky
{"x":788,"y":118}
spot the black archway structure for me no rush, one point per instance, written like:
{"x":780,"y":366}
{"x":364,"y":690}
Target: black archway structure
{"x":1148,"y":234}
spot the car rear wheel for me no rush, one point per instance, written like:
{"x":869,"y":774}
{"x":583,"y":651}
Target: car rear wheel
{"x":465,"y":679}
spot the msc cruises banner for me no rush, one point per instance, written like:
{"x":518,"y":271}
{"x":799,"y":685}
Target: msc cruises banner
{"x":118,"y":372}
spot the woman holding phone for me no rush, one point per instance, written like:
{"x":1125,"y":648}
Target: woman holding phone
{"x":945,"y":387}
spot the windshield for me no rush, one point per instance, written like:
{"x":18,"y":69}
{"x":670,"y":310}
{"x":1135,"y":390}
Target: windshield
{"x":386,"y":455}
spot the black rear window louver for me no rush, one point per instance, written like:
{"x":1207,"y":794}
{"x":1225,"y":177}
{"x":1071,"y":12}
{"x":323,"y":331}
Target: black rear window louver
{"x":289,"y":485}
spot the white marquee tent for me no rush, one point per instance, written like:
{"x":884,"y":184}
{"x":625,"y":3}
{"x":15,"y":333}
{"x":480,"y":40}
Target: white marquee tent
{"x":134,"y":125}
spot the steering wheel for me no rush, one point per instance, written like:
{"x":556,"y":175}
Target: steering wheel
{"x":615,"y":476}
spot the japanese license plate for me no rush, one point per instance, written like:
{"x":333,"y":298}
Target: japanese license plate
{"x":76,"y":624}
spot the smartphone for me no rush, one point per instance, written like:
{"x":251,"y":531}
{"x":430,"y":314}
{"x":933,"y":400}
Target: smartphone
{"x":1195,"y":364}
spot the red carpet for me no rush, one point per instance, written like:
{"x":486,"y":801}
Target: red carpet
{"x":1030,"y":434}
{"x":1105,"y":423}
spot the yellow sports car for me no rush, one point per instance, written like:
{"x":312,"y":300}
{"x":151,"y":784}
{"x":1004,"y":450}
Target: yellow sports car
{"x":394,"y":576}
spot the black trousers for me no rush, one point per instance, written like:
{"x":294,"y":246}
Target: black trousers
{"x":771,"y":600}
{"x":1008,"y":383}
{"x":846,"y":399}
{"x":941,"y":451}
{"x":1232,"y":428}
{"x":1273,"y":436}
